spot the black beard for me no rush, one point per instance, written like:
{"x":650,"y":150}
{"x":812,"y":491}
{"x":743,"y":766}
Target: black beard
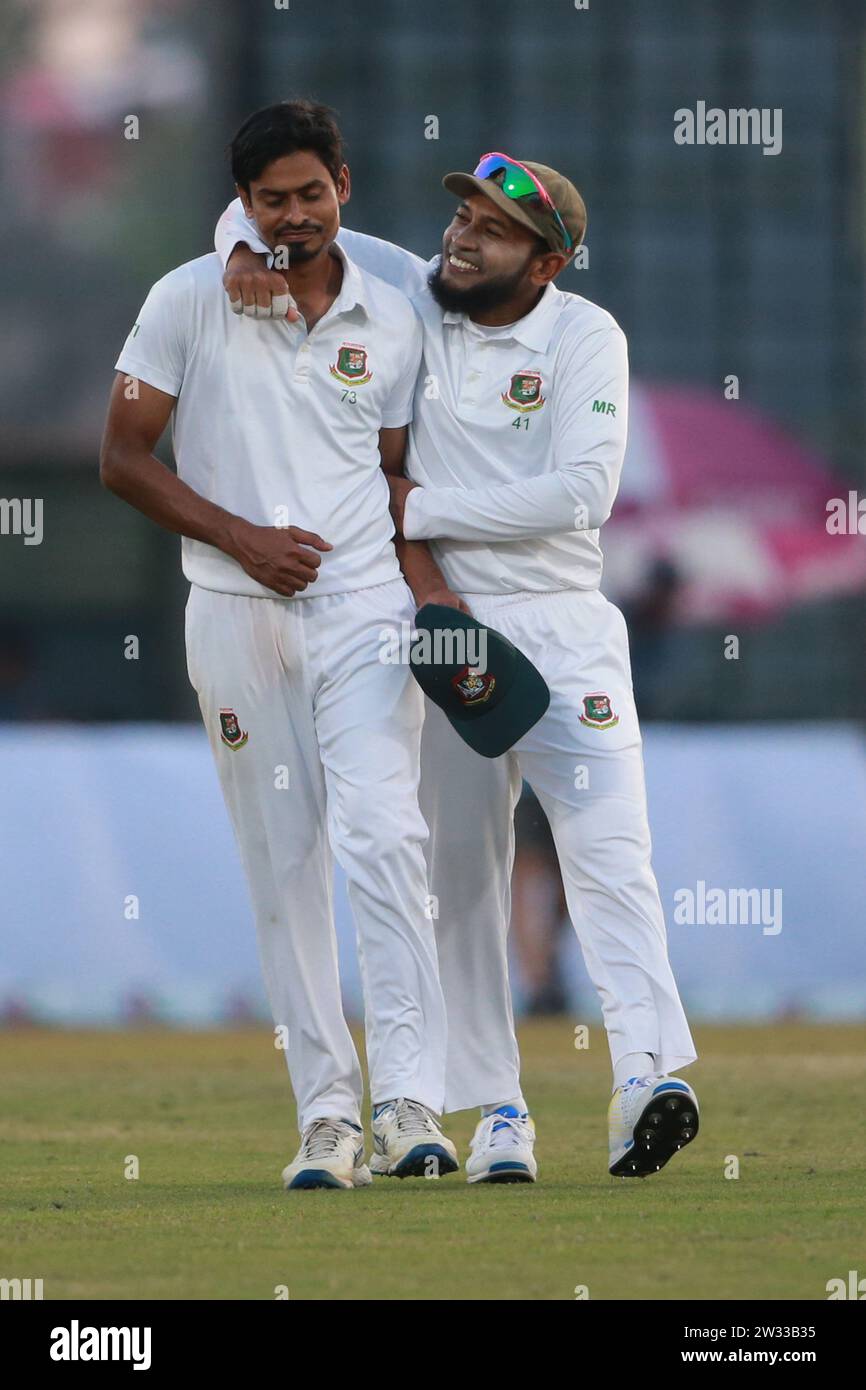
{"x":297,"y":253}
{"x":475,"y":299}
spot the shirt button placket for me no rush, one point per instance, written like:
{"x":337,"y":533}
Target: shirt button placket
{"x":469,"y":394}
{"x":302,"y":364}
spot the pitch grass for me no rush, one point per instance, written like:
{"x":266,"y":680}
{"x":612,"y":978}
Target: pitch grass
{"x":208,"y":1116}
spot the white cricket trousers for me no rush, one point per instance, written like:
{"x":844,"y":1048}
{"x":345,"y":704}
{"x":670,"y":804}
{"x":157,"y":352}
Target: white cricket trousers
{"x":587,"y":771}
{"x":316,"y":744}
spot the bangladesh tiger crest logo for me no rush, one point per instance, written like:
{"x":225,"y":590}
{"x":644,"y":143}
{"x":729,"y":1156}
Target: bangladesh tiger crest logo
{"x":231,"y":733}
{"x":473,"y":687}
{"x":597,"y":712}
{"x":524,"y":393}
{"x":351,"y":365}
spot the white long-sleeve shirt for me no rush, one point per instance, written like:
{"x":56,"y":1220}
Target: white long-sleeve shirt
{"x":518,"y":433}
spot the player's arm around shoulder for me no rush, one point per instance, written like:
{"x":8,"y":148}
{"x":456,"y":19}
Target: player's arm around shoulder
{"x":394,"y":264}
{"x":254,"y":287}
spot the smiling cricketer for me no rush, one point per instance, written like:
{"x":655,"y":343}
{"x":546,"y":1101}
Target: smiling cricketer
{"x":514,"y":459}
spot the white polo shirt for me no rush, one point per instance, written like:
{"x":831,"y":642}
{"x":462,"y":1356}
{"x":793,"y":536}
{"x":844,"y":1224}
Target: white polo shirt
{"x":281,"y":426}
{"x":518,"y":433}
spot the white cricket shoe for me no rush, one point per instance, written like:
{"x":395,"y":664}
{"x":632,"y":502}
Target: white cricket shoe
{"x":502,"y":1148}
{"x":649,"y":1119}
{"x":408,"y":1142}
{"x":331,"y":1155}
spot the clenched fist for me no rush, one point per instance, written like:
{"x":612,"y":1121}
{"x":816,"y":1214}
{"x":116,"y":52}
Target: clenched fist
{"x":256,"y":291}
{"x":282,"y":558}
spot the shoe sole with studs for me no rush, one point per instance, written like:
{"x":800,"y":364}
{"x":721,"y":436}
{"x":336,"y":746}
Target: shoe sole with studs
{"x":667,"y":1124}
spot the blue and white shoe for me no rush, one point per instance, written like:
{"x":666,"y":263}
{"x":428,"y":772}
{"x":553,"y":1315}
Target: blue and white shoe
{"x":331,"y":1155}
{"x":502,"y":1148}
{"x":649,"y":1119}
{"x":408,"y":1142}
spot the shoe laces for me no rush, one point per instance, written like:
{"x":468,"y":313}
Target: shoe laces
{"x":323,"y":1137}
{"x":499,"y":1130}
{"x":413,"y":1118}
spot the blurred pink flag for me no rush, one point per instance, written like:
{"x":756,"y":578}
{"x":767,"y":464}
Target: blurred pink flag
{"x":733,"y":503}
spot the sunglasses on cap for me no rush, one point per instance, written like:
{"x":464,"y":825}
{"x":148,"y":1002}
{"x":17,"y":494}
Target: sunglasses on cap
{"x":518,"y":182}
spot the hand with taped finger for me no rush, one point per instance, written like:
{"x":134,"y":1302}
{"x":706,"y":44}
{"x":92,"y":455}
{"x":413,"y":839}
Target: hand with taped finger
{"x":283,"y":558}
{"x":254,"y":290}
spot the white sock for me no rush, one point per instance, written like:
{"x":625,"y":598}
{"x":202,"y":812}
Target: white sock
{"x":518,"y":1102}
{"x":633,"y":1064}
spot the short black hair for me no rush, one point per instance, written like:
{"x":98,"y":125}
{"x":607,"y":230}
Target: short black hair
{"x":283,"y":129}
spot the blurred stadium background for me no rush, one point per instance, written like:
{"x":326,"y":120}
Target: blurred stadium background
{"x":717,"y":261}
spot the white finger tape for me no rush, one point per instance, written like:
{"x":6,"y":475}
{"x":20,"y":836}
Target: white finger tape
{"x":280,"y":305}
{"x":277,"y":309}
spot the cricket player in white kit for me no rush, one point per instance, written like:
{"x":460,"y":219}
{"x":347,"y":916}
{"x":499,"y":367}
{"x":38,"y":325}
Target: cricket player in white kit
{"x":280,"y":430}
{"x":514,"y":460}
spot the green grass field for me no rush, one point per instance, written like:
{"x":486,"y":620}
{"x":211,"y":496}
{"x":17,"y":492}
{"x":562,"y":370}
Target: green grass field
{"x":208,"y":1116}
